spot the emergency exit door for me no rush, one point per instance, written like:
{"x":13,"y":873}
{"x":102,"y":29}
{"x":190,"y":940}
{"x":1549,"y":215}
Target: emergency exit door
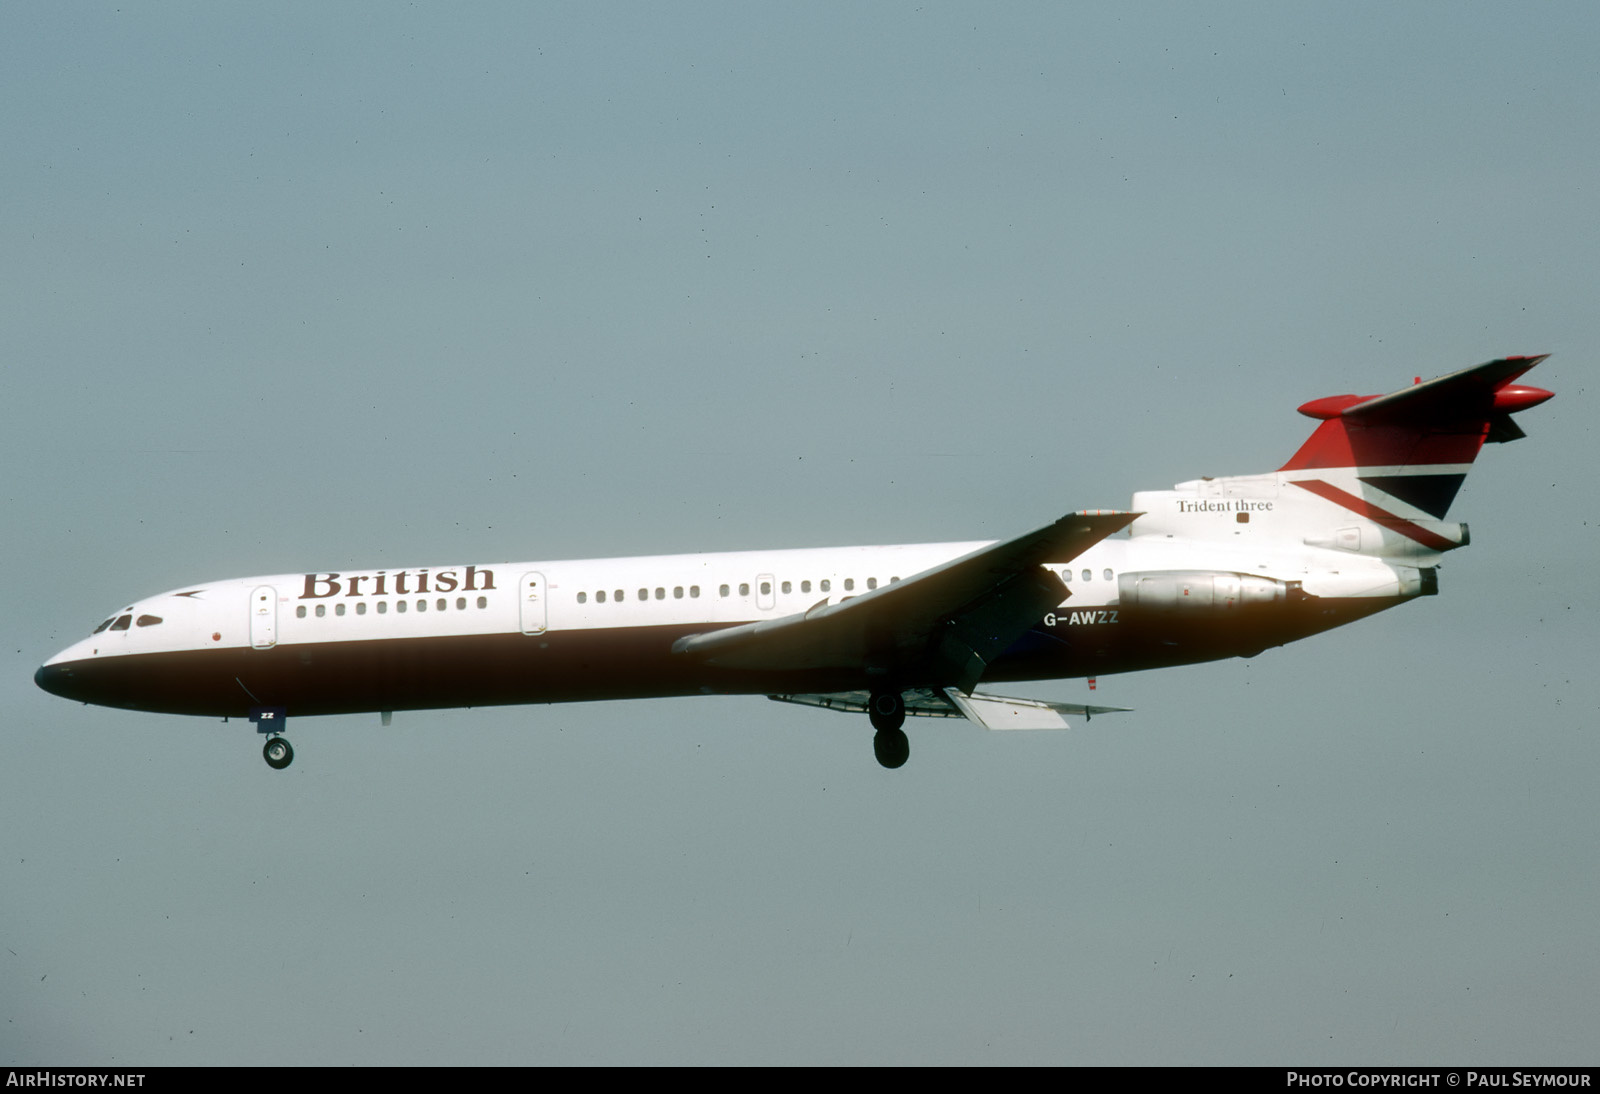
{"x":535,"y":617}
{"x":264,"y":617}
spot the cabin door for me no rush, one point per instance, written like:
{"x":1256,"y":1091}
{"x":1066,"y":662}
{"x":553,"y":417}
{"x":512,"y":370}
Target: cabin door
{"x":264,"y":617}
{"x":534,"y":616}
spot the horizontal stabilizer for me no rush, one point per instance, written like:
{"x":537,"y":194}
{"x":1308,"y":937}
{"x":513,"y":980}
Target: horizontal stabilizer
{"x":1471,"y":393}
{"x":993,"y":712}
{"x":1434,"y":427}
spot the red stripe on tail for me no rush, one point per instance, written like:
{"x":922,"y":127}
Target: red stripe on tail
{"x":1431,"y":540}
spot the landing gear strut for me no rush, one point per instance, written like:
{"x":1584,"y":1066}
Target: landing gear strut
{"x":278,"y":753}
{"x":888,"y":713}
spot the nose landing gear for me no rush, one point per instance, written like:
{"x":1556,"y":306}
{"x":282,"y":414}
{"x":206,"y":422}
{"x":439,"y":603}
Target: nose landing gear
{"x":272,"y":720}
{"x":278,"y":753}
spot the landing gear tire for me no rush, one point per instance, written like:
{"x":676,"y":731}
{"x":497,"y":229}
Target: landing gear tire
{"x":891,"y":747}
{"x":887,"y":709}
{"x":278,"y":753}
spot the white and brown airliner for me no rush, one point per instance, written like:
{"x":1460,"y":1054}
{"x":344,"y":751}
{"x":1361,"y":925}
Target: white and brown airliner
{"x":1213,"y":568}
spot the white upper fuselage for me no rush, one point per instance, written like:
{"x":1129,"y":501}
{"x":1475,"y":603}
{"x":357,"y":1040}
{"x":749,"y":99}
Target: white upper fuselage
{"x":714,"y":590}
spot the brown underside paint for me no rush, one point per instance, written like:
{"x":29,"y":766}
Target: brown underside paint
{"x":633,"y":663}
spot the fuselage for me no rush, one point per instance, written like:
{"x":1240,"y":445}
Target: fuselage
{"x":568,"y":630}
{"x":1229,"y":566}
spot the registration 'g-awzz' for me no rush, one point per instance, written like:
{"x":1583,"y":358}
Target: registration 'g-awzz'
{"x":1219,"y":567}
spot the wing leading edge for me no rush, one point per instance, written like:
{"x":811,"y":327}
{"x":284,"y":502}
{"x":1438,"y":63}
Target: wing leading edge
{"x":937,"y":629}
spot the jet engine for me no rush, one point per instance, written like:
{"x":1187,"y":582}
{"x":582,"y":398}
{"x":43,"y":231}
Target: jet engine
{"x":1197,"y":591}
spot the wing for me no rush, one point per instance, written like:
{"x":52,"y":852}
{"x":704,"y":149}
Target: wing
{"x":940,"y":627}
{"x":988,"y":711}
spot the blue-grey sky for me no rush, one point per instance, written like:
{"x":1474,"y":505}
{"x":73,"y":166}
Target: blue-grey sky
{"x":295,"y":287}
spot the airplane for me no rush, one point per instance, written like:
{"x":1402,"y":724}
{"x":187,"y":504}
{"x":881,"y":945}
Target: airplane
{"x":1221,"y":567}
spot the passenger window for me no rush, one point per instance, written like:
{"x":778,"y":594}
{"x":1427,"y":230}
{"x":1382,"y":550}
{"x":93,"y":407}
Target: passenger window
{"x":383,"y":607}
{"x":766,"y":588}
{"x":461,"y":603}
{"x":744,"y":588}
{"x":322,"y":611}
{"x":442,"y":604}
{"x":399,"y":605}
{"x":805,"y":586}
{"x":644,"y":594}
{"x":1106,"y":574}
{"x":694,"y":592}
{"x":361,"y":607}
{"x":1087,"y":576}
{"x":677,"y":592}
{"x":583,"y":598}
{"x":786,"y":586}
{"x":483,"y":602}
{"x":849,"y":584}
{"x":338,"y":609}
{"x":826,"y":585}
{"x":147,"y":621}
{"x":300,"y":612}
{"x":422,"y":605}
{"x":872,"y":583}
{"x":600,"y":597}
{"x":617,"y":596}
{"x":722,"y":590}
{"x":661,"y":594}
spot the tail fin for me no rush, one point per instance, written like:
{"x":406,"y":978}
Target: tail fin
{"x":1416,"y":444}
{"x":1375,"y":479}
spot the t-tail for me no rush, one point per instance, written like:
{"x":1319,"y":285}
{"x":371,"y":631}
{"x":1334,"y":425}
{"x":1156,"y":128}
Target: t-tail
{"x":1372,"y":484}
{"x":1396,"y":461}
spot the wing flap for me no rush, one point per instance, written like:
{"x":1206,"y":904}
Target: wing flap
{"x":992,"y":712}
{"x":920,"y":702}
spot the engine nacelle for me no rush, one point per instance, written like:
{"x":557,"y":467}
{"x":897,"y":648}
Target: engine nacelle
{"x":1196,"y":591}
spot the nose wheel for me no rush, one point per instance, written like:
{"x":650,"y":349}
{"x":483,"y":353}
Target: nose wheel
{"x":278,"y":753}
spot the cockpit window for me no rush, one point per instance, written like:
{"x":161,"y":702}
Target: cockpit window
{"x":104,"y":625}
{"x":147,"y":620}
{"x":122,"y":623}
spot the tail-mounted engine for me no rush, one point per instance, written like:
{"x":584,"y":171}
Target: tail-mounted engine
{"x":1202,"y":591}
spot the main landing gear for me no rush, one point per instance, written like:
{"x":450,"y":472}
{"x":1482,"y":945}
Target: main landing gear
{"x":278,"y":753}
{"x":887,"y":709}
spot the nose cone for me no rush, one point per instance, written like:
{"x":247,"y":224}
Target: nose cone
{"x":56,"y":679}
{"x":70,"y":674}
